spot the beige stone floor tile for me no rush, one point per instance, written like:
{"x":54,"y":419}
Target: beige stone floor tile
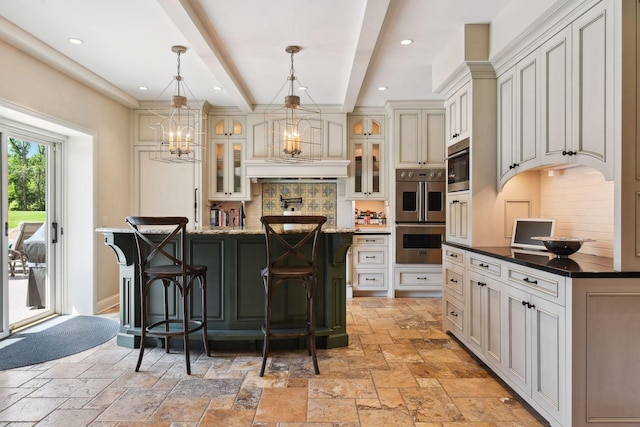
{"x":385,"y":417}
{"x":30,"y":409}
{"x":342,"y":388}
{"x":16,"y":378}
{"x":332,"y":410}
{"x":181,"y":409}
{"x":134,"y":405}
{"x":474,"y":387}
{"x":227,"y":418}
{"x":390,"y":398}
{"x":381,"y":338}
{"x":394,"y":379}
{"x":66,"y":370}
{"x":400,"y":352}
{"x":69,"y":418}
{"x":72,"y":387}
{"x":430,"y":405}
{"x":282,"y":405}
{"x":484,"y":409}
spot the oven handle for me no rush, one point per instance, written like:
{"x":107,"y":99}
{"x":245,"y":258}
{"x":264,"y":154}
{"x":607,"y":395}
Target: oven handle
{"x":458,"y":154}
{"x":421,"y":189}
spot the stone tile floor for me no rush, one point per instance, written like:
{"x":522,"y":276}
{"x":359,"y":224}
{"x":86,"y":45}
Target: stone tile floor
{"x":400,"y":369}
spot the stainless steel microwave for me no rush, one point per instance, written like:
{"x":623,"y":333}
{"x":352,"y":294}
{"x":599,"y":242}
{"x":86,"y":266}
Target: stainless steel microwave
{"x":458,"y":176}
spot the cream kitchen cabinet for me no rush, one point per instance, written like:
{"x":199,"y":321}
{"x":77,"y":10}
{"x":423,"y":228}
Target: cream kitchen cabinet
{"x":332,"y":125}
{"x":226,"y":176}
{"x":366,"y":126}
{"x":459,"y":115}
{"x":370,"y":255}
{"x":587,"y":86}
{"x":367,"y":179}
{"x":535,"y":359}
{"x":484,"y":310}
{"x":515,"y":322}
{"x":458,"y":227}
{"x":418,"y":278}
{"x":519,"y":117}
{"x":419,"y":137}
{"x":227,"y":126}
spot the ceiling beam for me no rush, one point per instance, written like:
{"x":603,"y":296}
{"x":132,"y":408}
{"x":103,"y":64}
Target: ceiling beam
{"x":188,"y":15}
{"x":372,"y":20}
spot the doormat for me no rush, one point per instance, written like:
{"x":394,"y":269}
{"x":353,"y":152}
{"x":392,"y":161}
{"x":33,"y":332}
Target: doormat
{"x":64,"y":338}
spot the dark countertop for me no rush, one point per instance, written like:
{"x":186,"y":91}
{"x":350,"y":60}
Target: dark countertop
{"x":576,"y":266}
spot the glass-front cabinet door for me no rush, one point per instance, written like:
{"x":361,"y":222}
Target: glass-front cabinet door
{"x":366,"y":126}
{"x":367,"y":180}
{"x":229,"y":126}
{"x":227,"y":178}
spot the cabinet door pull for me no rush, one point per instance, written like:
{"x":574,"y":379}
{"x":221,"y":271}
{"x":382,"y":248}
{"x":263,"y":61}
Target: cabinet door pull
{"x":453,"y":280}
{"x":453,"y":313}
{"x":421,"y":278}
{"x":524,"y":303}
{"x":484,"y":265}
{"x":370,"y":256}
{"x":533,"y":282}
{"x":482,"y":284}
{"x":453,"y":255}
{"x":369,"y":278}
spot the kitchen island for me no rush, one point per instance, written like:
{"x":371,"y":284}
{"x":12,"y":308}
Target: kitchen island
{"x":564,"y":333}
{"x":235,"y":292}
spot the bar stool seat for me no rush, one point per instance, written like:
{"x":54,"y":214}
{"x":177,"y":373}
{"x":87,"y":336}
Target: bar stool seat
{"x":291,"y":257}
{"x":164,"y":263}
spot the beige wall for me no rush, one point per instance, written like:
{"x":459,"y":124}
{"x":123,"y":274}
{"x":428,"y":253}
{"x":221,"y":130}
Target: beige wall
{"x":38,"y":89}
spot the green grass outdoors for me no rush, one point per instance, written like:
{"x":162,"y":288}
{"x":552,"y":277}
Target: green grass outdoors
{"x":15,"y":217}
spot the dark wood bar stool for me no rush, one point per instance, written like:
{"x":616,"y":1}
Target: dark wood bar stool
{"x":165,"y":263}
{"x":291,"y":256}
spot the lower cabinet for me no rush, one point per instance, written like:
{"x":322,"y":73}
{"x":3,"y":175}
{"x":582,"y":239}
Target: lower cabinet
{"x":419,"y":278}
{"x":513,"y":318}
{"x":370,"y":255}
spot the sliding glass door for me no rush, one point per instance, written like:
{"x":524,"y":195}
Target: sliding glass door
{"x":30,"y":235}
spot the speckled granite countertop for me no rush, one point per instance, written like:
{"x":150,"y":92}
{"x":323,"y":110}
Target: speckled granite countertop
{"x":218,"y":230}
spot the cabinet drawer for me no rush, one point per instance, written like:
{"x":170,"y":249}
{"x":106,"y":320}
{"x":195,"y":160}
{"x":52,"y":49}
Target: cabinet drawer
{"x":369,"y":240}
{"x":547,"y":286}
{"x":485,"y":265}
{"x":370,"y":257}
{"x":369,"y":280}
{"x":454,"y":313}
{"x":453,"y":255}
{"x":453,"y":282}
{"x":407,"y":280}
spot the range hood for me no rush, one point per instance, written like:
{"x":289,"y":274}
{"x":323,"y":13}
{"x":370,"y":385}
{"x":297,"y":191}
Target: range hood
{"x":312,"y":169}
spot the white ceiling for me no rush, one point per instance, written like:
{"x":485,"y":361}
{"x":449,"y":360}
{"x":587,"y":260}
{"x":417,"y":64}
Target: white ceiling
{"x":349,"y":47}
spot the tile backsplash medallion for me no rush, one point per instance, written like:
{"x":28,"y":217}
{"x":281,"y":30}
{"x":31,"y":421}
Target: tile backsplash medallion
{"x":309,"y":198}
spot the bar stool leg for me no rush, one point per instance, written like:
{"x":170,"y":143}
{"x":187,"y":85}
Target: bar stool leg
{"x":184,"y":290}
{"x":205,"y":336}
{"x":267,"y":325}
{"x":143,"y":321}
{"x":312,"y":334}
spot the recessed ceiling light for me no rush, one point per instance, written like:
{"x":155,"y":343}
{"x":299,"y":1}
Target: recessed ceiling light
{"x":382,"y":88}
{"x":217,"y":88}
{"x":406,"y":41}
{"x":74,"y":40}
{"x":143,"y":88}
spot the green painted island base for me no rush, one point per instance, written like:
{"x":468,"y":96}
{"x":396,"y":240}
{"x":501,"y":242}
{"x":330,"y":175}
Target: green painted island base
{"x":235,"y":292}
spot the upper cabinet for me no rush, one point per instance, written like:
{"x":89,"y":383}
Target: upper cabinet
{"x":518,"y":117}
{"x":332,"y":125}
{"x":366,"y":126}
{"x":225,"y":159}
{"x":368,"y":167}
{"x":458,"y":123}
{"x":419,"y":137}
{"x":227,"y":126}
{"x":555,"y":106}
{"x":587,"y":85}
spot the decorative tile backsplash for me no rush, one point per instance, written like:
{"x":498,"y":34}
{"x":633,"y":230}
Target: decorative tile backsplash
{"x":309,"y":198}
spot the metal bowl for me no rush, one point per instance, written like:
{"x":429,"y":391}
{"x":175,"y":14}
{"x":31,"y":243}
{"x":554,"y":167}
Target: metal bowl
{"x":562,"y":246}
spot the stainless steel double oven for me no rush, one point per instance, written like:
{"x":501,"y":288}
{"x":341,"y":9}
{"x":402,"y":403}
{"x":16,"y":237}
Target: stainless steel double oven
{"x":420,"y":215}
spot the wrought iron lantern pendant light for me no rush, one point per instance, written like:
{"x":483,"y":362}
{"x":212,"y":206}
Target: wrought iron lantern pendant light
{"x":296,"y":129}
{"x":177,"y":134}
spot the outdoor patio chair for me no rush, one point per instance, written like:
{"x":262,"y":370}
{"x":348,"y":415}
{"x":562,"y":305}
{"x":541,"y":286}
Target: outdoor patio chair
{"x":16,"y":250}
